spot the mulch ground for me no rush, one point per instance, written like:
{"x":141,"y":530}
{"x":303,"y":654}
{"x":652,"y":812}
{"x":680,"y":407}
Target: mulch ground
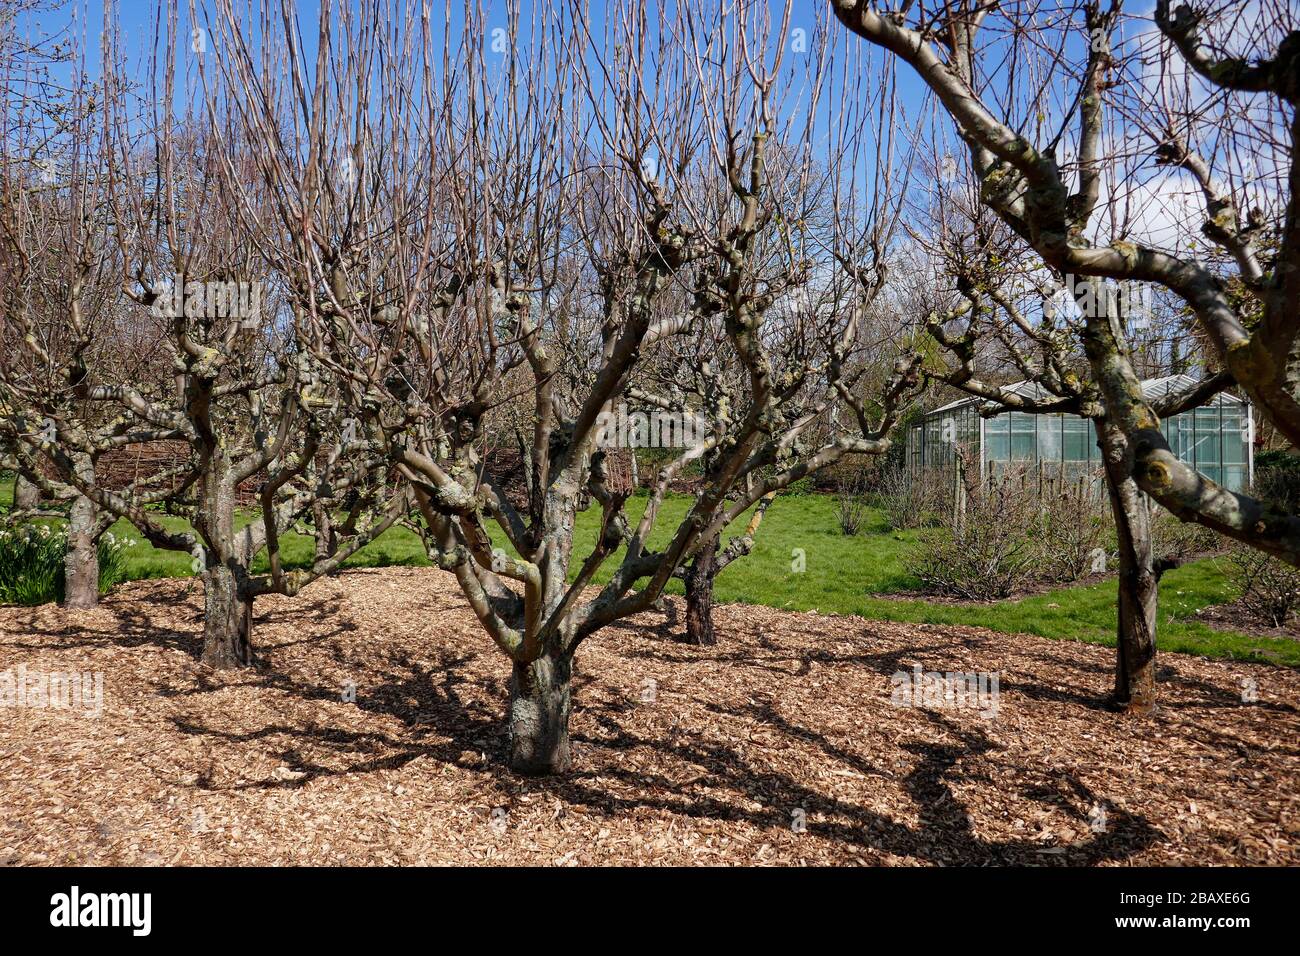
{"x":779,"y":746}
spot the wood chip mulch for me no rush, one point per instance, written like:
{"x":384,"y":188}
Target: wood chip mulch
{"x":778,"y":746}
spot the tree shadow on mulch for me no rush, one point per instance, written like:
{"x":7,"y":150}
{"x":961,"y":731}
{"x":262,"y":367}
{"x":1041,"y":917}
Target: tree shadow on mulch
{"x":428,"y":700}
{"x":449,"y":726}
{"x":885,"y":662}
{"x":133,"y":626}
{"x":944,"y":836}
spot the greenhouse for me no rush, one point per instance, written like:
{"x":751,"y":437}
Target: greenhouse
{"x":1216,"y":438}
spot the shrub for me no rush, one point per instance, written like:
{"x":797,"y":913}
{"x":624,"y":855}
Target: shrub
{"x":992,"y":553}
{"x":31,"y":564}
{"x":914,"y":499}
{"x":1270,"y":589}
{"x":804,"y":486}
{"x":1074,"y":529}
{"x":1277,"y":479}
{"x":1178,"y":541}
{"x":850,"y":506}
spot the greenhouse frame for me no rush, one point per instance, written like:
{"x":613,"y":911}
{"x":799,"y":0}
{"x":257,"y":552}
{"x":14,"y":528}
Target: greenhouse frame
{"x":1216,"y":438}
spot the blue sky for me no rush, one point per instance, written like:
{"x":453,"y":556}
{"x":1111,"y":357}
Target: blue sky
{"x":139,"y":23}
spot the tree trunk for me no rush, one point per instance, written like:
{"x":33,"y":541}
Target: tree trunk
{"x":1135,"y":646}
{"x":539,"y":716}
{"x":958,"y":494}
{"x":326,"y":540}
{"x":81,"y":562}
{"x":26,"y":494}
{"x":699,"y":595}
{"x":227,"y":621}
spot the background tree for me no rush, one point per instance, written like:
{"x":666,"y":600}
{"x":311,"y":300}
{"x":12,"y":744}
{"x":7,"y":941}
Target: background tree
{"x":58,"y":301}
{"x":1011,"y":339}
{"x":254,"y":412}
{"x":1059,"y":108}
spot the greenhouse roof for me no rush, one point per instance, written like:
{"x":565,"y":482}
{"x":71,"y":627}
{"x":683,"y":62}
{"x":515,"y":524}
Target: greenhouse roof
{"x":1151,"y":388}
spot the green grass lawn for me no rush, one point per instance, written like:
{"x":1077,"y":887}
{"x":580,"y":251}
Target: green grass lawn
{"x":843,"y":575}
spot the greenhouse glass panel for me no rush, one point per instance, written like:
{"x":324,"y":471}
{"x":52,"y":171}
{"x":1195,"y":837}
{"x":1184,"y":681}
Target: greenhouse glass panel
{"x":1182,"y":435}
{"x":970,"y":428}
{"x":997,"y":441}
{"x":1023,"y":436}
{"x":932,"y":450}
{"x":1170,"y":428}
{"x":1234,"y":436}
{"x":1049,"y":438}
{"x":1214,"y":439}
{"x":1207,"y":438}
{"x":1078,"y":438}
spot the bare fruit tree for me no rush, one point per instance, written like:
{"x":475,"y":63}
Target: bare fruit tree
{"x":1010,"y":336}
{"x":1065,"y":111}
{"x":60,"y":312}
{"x":521,"y":223}
{"x":160,"y":253}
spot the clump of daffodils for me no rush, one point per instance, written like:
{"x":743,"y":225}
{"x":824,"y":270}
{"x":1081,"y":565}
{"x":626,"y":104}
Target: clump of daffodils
{"x":32,"y":561}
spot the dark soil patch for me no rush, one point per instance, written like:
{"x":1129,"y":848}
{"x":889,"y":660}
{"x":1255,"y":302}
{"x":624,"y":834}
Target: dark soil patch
{"x":1234,"y":617}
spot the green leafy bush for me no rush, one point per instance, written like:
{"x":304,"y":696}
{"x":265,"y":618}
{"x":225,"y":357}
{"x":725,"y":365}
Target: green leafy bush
{"x":31,"y":564}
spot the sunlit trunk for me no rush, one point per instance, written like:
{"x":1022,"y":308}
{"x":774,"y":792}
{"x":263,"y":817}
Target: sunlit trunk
{"x":1135,"y":646}
{"x":325,"y":537}
{"x":26,"y":494}
{"x":227,"y":621}
{"x":228,"y":610}
{"x":81,"y":562}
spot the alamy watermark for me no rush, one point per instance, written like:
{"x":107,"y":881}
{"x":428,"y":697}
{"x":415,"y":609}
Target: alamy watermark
{"x":951,"y":690}
{"x":210,"y":300}
{"x":1099,"y":298}
{"x":53,"y":690}
{"x":658,"y":429}
{"x":74,"y":908}
{"x":1249,"y":690}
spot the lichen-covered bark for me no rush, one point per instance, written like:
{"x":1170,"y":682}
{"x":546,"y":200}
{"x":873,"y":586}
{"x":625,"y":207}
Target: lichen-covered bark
{"x":699,"y":595}
{"x":326,"y":540}
{"x":26,"y":494}
{"x":81,"y":563}
{"x":228,"y":607}
{"x":227,"y":621}
{"x":539,"y":715}
{"x":1173,"y":483}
